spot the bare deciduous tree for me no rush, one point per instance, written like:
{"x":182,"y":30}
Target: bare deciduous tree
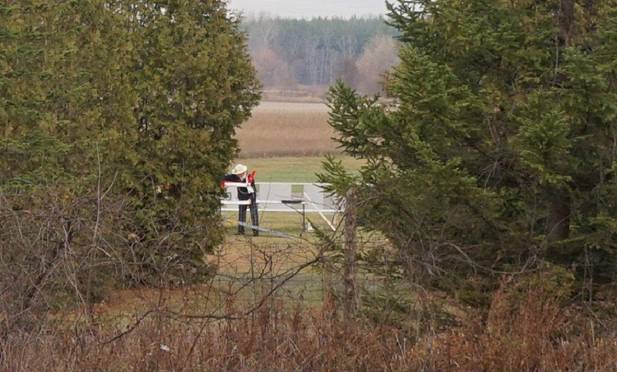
{"x":379,"y":55}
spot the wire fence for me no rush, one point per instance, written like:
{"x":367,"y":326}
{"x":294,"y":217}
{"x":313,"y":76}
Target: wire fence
{"x":295,"y":270}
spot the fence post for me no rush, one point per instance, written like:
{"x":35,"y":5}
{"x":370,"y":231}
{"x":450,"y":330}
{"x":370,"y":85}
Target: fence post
{"x":349,"y":272}
{"x":303,"y":219}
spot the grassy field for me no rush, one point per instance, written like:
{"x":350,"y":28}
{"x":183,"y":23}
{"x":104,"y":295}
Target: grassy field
{"x":293,"y":169}
{"x":283,"y":142}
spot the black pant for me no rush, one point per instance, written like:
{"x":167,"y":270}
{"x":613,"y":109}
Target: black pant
{"x":254,"y":217}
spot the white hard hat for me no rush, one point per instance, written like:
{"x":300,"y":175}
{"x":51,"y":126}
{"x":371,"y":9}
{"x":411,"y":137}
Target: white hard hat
{"x":239,"y":169}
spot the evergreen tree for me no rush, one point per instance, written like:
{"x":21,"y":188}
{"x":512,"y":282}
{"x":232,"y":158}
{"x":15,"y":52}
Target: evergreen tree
{"x":143,"y":96}
{"x":498,"y":155}
{"x":60,"y":91}
{"x":195,"y":85}
{"x":65,"y":120}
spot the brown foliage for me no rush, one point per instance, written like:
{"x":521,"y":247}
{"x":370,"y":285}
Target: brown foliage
{"x":527,"y":329}
{"x":273,"y":70}
{"x":379,"y":56}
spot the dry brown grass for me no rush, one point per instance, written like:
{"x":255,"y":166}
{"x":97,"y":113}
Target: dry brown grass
{"x":287,"y":129}
{"x":532,"y":333}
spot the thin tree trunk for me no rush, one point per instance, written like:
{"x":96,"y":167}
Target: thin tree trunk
{"x":559,"y":199}
{"x":559,"y":216}
{"x":566,"y":20}
{"x":349,"y":275}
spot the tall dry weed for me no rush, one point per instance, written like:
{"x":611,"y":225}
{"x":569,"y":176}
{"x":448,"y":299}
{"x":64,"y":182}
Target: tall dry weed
{"x":527,"y":329}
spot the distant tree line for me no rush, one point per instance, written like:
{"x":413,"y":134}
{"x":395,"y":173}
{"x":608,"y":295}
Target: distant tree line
{"x":289,"y":53}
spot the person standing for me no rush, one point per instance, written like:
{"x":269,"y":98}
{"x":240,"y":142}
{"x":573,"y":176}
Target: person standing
{"x":240,"y":174}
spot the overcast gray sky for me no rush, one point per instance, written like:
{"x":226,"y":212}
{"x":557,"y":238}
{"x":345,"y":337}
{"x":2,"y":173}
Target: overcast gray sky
{"x":310,"y":8}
